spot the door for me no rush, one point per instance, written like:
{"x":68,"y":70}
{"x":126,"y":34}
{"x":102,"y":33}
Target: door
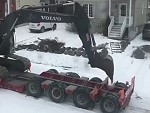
{"x":122,"y":12}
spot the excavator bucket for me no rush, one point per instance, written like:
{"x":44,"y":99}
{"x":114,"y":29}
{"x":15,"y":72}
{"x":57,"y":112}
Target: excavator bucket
{"x":105,"y":63}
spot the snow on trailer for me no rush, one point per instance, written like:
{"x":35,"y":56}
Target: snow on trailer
{"x":86,"y":92}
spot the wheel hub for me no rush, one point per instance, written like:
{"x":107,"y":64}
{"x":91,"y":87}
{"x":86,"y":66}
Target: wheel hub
{"x":33,"y":88}
{"x":108,"y":105}
{"x":56,"y":93}
{"x":81,"y":99}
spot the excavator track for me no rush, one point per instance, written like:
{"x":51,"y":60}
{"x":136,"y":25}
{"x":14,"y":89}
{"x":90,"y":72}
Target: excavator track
{"x":15,"y":63}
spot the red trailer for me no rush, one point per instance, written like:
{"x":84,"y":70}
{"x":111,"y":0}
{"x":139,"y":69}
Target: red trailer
{"x":85,"y":92}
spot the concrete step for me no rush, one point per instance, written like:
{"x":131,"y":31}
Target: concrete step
{"x":114,"y":36}
{"x":116,"y":28}
{"x":114,"y":32}
{"x":116,"y":47}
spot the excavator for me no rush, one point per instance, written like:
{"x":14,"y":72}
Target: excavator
{"x":71,"y":12}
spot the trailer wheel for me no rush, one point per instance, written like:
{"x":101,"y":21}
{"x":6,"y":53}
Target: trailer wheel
{"x":72,"y":74}
{"x":122,"y":85}
{"x":56,"y":92}
{"x":109,"y":104}
{"x":3,"y":72}
{"x":52,"y":71}
{"x":81,"y":98}
{"x":33,"y":88}
{"x":96,"y":79}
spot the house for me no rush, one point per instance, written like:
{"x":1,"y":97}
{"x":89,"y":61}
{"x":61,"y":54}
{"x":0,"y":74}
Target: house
{"x":126,"y":14}
{"x":8,"y":6}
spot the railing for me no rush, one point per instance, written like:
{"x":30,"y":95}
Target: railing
{"x":111,"y":24}
{"x":131,"y":21}
{"x":123,"y":25}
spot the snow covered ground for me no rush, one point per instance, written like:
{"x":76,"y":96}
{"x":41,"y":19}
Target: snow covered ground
{"x":125,"y":68}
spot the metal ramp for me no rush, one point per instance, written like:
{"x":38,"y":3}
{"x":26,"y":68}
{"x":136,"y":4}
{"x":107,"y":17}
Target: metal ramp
{"x":116,"y":47}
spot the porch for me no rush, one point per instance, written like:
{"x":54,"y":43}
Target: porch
{"x":120,"y":13}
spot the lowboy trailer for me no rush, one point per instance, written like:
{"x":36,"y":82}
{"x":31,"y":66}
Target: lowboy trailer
{"x":85,"y":92}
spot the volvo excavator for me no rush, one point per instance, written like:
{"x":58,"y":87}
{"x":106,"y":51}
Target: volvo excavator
{"x":59,"y":13}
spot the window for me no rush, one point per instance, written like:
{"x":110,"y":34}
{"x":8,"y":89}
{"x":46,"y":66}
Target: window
{"x":45,"y":9}
{"x":89,"y":9}
{"x":123,"y":10}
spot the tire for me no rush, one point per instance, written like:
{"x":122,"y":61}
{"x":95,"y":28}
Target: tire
{"x":81,"y":98}
{"x":109,"y":104}
{"x":122,"y":85}
{"x":56,"y":92}
{"x":54,"y":27}
{"x":72,"y":74}
{"x":78,"y":52}
{"x":3,"y":72}
{"x":31,"y":30}
{"x":71,"y":52}
{"x":42,"y":30}
{"x":66,"y":52}
{"x":96,"y":79}
{"x":33,"y":88}
{"x":52,"y":71}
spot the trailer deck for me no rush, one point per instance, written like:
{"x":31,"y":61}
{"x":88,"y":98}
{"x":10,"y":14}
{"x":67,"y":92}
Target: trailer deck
{"x":85,"y":92}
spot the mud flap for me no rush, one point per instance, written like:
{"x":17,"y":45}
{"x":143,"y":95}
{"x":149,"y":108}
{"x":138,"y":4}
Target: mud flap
{"x":105,"y":63}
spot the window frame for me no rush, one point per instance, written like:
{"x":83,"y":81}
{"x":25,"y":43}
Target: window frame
{"x":88,"y":9}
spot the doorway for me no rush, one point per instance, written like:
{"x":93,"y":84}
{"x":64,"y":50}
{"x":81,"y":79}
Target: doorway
{"x":122,"y":12}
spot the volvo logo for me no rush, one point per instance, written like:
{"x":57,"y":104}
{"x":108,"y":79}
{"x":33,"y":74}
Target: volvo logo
{"x":52,"y":18}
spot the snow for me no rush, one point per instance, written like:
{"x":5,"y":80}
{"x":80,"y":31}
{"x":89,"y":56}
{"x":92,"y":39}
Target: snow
{"x":125,"y":68}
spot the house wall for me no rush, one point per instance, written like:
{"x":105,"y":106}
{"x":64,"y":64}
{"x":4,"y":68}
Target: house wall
{"x":2,"y":8}
{"x":140,"y":12}
{"x":100,"y":13}
{"x":20,"y":3}
{"x":115,"y":8}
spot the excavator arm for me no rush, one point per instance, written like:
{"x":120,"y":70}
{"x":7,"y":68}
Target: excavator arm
{"x":58,"y":13}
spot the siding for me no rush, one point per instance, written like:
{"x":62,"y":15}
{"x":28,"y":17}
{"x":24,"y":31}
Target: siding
{"x":20,"y":3}
{"x":115,"y":8}
{"x":140,"y":12}
{"x":100,"y":13}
